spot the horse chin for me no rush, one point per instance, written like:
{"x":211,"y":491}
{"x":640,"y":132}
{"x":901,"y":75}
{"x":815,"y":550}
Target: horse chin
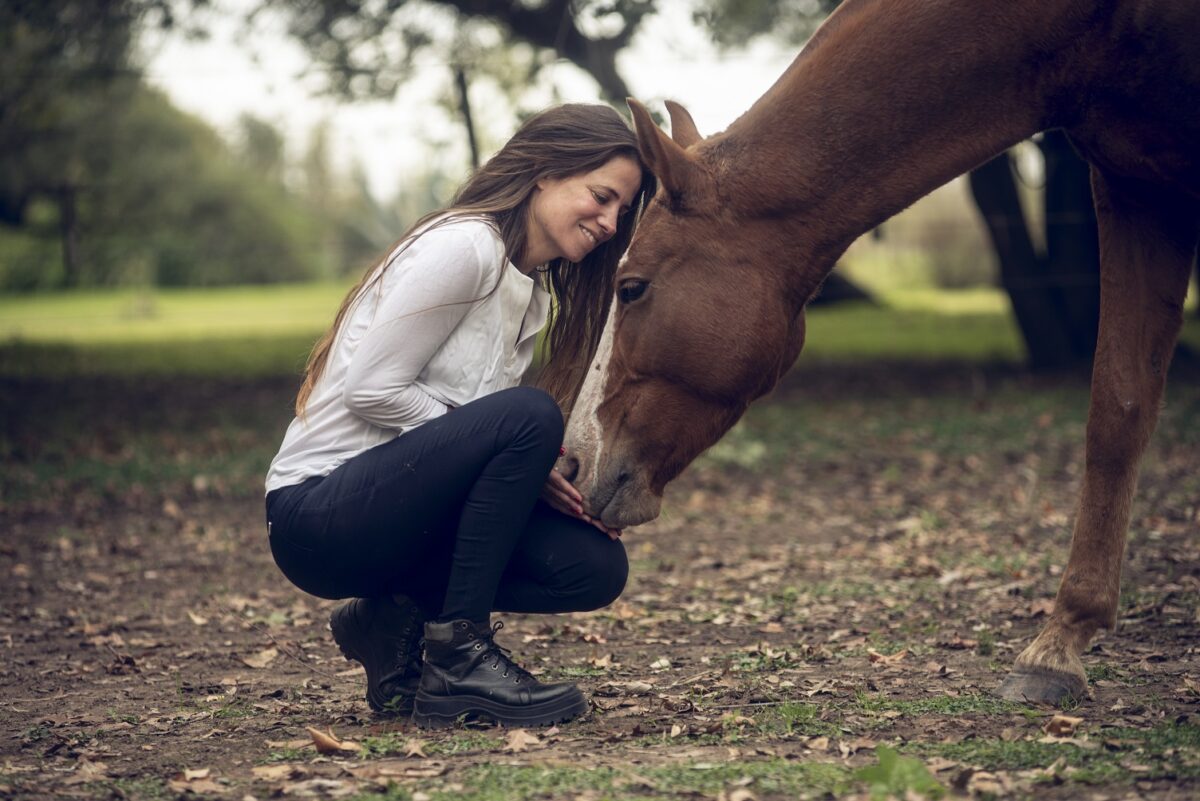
{"x":622,"y":503}
{"x":631,"y":506}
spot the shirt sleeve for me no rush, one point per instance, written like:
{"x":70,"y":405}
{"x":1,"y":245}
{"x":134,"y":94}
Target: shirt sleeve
{"x":443,"y":276}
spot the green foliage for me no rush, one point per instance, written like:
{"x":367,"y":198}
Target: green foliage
{"x":733,"y":23}
{"x":895,"y":776}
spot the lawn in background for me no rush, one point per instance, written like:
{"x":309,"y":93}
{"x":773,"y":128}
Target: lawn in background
{"x":268,"y":330}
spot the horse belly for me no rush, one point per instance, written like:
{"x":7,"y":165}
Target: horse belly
{"x":1141,"y":150}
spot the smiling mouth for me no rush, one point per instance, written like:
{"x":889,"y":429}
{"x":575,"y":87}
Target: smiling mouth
{"x":590,"y":235}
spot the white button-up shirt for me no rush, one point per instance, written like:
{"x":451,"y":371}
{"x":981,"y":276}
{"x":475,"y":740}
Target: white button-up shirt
{"x":430,"y":335}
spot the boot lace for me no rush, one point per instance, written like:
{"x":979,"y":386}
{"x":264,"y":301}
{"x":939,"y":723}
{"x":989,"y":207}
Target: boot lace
{"x":408,"y":657}
{"x":502,"y":657}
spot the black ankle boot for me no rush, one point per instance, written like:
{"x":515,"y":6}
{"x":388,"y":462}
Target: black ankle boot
{"x":467,"y":674}
{"x":384,"y":635}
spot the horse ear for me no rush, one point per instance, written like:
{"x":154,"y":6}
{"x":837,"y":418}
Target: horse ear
{"x":665,"y":158}
{"x":683,"y":127}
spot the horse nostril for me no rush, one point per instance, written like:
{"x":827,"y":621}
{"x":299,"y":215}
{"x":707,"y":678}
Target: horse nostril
{"x":623,"y":478}
{"x":570,"y":468}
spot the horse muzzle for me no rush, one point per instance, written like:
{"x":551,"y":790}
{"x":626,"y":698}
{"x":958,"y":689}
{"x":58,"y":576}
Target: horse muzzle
{"x":614,"y":493}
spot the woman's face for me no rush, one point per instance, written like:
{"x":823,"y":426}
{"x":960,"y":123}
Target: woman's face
{"x":571,"y":216}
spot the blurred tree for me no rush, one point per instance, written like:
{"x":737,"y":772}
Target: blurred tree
{"x":64,"y":76}
{"x":367,"y":49}
{"x":261,"y":146}
{"x":1055,"y":289}
{"x":134,"y":190}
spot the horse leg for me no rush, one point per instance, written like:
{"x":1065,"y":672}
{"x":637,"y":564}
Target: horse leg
{"x":1147,"y":245}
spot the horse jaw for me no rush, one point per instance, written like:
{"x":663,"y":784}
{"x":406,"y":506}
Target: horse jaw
{"x":613,"y":490}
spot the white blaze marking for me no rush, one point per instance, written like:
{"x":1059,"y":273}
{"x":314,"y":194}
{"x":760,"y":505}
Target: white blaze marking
{"x":584,"y":434}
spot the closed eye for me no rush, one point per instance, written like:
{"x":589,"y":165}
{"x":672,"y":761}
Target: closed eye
{"x":631,"y":290}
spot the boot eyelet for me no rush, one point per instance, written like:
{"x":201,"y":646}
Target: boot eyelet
{"x":478,"y":645}
{"x":495,"y":667}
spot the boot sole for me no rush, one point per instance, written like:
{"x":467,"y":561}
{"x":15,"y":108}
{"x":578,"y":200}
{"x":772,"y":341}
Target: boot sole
{"x":438,"y":712}
{"x":345,"y":644}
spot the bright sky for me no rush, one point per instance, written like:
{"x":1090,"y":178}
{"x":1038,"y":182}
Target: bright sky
{"x":219,"y":79}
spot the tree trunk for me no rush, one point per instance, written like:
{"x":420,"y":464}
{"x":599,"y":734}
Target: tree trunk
{"x":1035,"y":301}
{"x":68,"y":224}
{"x":1072,"y":241}
{"x":464,"y":106}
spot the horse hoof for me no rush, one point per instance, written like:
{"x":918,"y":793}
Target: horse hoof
{"x":1041,"y":687}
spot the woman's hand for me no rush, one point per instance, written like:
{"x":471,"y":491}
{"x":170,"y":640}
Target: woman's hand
{"x":562,"y":495}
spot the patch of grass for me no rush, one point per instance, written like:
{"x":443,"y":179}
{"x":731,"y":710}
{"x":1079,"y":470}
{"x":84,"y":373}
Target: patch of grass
{"x":794,"y":719}
{"x":575,"y":672}
{"x":896,"y":776}
{"x":940,"y":705}
{"x":149,"y":789}
{"x":394,"y":792}
{"x":1167,"y":750}
{"x":234,"y":710}
{"x":775,"y":777}
{"x":268,"y":330}
{"x":465,"y":742}
{"x":287,"y":755}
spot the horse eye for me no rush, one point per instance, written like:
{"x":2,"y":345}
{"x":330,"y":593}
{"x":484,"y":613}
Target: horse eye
{"x":631,"y":290}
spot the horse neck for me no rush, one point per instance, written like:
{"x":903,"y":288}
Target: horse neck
{"x":891,"y":99}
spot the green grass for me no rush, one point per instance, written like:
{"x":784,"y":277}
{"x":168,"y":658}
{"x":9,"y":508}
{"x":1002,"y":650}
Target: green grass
{"x":942,"y":705}
{"x":1168,"y":750}
{"x":268,"y":330}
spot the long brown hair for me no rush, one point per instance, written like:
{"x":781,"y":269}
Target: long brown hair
{"x":560,"y":142}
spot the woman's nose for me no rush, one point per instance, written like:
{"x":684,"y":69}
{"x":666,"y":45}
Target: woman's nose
{"x":608,"y":223}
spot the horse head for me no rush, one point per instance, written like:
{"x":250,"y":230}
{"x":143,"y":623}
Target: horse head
{"x":704,"y":320}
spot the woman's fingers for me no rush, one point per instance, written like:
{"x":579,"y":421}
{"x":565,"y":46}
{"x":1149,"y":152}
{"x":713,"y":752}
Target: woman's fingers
{"x":564,"y":502}
{"x":564,"y":486}
{"x":613,"y":533}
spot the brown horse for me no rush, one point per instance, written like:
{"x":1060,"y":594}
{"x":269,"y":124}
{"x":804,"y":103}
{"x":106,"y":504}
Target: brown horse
{"x":889,"y":100}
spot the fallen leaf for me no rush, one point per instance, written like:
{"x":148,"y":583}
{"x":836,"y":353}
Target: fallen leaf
{"x":200,"y":773}
{"x":329,"y":744}
{"x":886,"y":659}
{"x":195,"y":618}
{"x":520,"y":740}
{"x":415,"y":748}
{"x":261,"y":659}
{"x":741,"y":794}
{"x":87,"y":771}
{"x":272,"y":773}
{"x":1062,"y":725}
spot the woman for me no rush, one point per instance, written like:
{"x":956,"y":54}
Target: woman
{"x":409,"y":480}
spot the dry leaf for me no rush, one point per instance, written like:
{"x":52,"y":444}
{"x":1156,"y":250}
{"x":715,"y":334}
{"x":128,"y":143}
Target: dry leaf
{"x":261,"y":659}
{"x":886,"y":659}
{"x":329,"y":744}
{"x":520,"y":740}
{"x":197,"y":619}
{"x":191,"y":775}
{"x":741,"y":794}
{"x":1062,"y":725}
{"x":415,"y":748}
{"x":272,"y":773}
{"x":676,"y":730}
{"x":87,"y":771}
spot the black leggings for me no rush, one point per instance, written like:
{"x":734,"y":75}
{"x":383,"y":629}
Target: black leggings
{"x":448,"y":514}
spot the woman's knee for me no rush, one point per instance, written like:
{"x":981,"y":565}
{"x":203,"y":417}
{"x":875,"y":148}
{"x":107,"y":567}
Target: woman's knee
{"x":608,"y":577}
{"x":538,"y":410}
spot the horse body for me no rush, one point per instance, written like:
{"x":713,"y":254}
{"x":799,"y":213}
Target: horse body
{"x":889,"y":100}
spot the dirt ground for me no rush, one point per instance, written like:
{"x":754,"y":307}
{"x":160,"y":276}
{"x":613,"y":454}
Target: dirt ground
{"x":855,"y":566}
